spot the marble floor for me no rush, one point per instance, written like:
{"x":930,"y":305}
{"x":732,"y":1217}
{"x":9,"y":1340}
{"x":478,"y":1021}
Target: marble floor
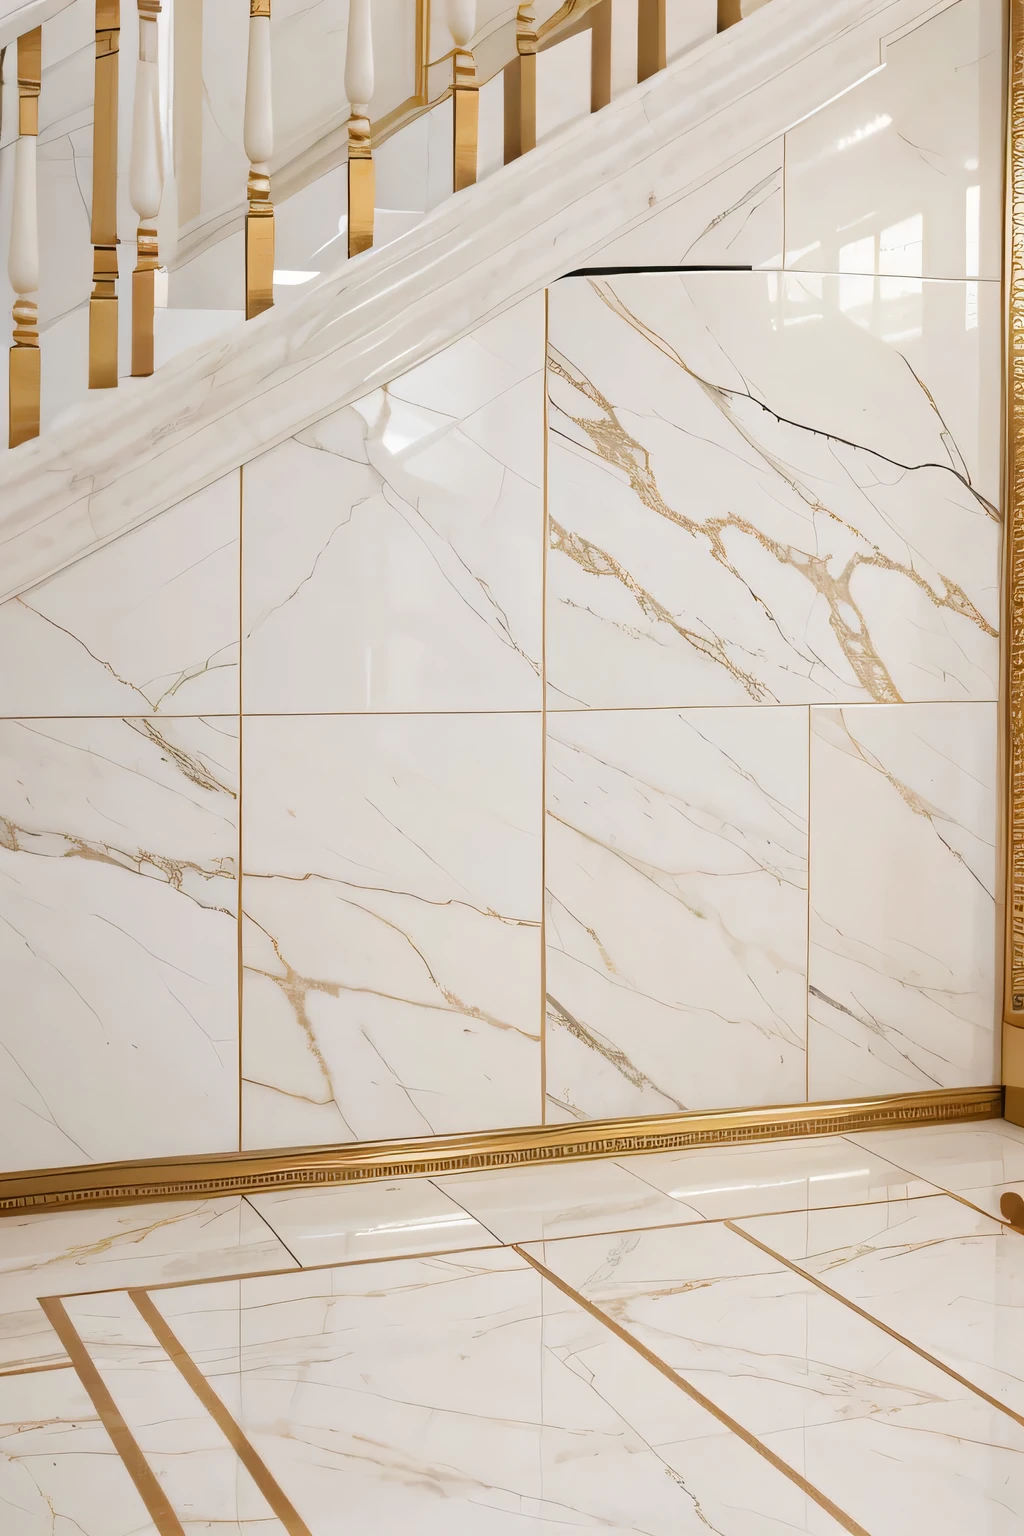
{"x":812,"y":1336}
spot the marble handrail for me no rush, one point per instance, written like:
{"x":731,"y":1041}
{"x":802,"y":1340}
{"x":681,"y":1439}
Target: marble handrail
{"x":119,"y":461}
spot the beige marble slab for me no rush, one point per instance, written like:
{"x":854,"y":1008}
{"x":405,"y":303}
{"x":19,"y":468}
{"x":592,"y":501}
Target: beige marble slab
{"x":977,"y":1155}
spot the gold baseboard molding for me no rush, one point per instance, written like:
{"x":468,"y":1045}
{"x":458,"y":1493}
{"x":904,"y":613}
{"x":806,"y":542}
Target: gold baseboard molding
{"x":247,"y":1173}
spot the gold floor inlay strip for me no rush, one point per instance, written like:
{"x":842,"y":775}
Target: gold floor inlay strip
{"x":34,"y":1370}
{"x":819,"y":1498}
{"x":869,"y":1317}
{"x":244,"y":1173}
{"x":254,"y":1464}
{"x":127,"y":1447}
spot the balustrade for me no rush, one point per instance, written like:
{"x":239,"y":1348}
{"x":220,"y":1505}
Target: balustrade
{"x":455,"y":72}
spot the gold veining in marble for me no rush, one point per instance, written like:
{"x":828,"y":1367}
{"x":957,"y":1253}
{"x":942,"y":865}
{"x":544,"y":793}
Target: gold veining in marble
{"x":617,"y":447}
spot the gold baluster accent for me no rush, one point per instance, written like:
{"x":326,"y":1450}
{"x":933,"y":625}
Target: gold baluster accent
{"x":147,"y":260}
{"x":259,"y":222}
{"x":23,"y":372}
{"x":362,"y":185}
{"x":521,"y":87}
{"x":103,"y":303}
{"x":729,"y":13}
{"x":650,"y":38}
{"x":601,"y":55}
{"x":466,"y":118}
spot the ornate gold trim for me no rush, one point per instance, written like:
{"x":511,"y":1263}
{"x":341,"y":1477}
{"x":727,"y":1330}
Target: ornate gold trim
{"x":103,"y":301}
{"x":242,"y":1173}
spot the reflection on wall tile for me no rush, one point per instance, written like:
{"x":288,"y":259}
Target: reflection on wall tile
{"x":903,"y":174}
{"x":118,"y":939}
{"x":676,"y":910}
{"x":412,"y":579}
{"x":903,"y":939}
{"x":754,"y":499}
{"x":392,"y":901}
{"x":734,"y":219}
{"x":145,"y":625}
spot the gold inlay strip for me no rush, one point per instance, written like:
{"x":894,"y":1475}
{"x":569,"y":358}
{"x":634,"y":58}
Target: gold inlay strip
{"x":819,"y":1498}
{"x":125,"y":1443}
{"x":34,"y":1370}
{"x":806,"y":1274}
{"x":256,"y":1467}
{"x":298,"y":1167}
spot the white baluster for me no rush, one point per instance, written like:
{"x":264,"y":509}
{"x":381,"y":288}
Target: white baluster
{"x":465,"y":94}
{"x":359,"y":90}
{"x":145,"y":185}
{"x":258,"y":137}
{"x":23,"y":255}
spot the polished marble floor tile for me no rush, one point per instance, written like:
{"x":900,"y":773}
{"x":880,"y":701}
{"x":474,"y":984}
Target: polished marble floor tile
{"x":944,"y":1277}
{"x":61,"y":1252}
{"x":59,"y":1472}
{"x":959,"y":1157}
{"x":466,"y":1396}
{"x":524,"y":1204}
{"x":369,"y":1221}
{"x":832,"y":1393}
{"x":777,"y":1176}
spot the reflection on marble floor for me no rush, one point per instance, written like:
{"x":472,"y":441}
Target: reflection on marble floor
{"x":807,"y":1336}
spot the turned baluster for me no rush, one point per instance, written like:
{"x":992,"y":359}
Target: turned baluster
{"x":465,"y":94}
{"x":103,"y":302}
{"x":650,"y":38}
{"x":521,"y":87}
{"x":146,"y":185}
{"x":359,"y":90}
{"x":258,"y":138}
{"x":23,"y":258}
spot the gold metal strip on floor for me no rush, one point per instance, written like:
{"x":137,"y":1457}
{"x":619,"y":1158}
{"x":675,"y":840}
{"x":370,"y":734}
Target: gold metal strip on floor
{"x":253,"y":1463}
{"x":821,"y":1499}
{"x":243,"y":1173}
{"x":127,"y":1447}
{"x":876,"y":1322}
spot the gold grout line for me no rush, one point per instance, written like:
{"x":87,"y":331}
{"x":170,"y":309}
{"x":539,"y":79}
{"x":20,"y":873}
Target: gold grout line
{"x":499,"y":1242}
{"x":545,"y":534}
{"x":876,"y":1322}
{"x":254,"y":1464}
{"x":819,"y":1498}
{"x":240,"y":971}
{"x":125,"y":1444}
{"x":33,"y":1370}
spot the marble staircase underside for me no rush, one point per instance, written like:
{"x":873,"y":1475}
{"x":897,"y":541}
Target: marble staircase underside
{"x":116,"y":462}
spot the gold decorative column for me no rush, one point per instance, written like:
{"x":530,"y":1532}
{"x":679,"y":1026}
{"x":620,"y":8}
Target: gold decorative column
{"x":1013,"y":980}
{"x":146,"y":186}
{"x":729,"y":12}
{"x":259,"y":146}
{"x":650,"y":37}
{"x":103,"y":303}
{"x":521,"y":87}
{"x":359,"y":80}
{"x":601,"y":55}
{"x":23,"y":364}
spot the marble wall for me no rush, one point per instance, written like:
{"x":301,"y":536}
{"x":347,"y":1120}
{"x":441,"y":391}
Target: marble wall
{"x":640,"y":650}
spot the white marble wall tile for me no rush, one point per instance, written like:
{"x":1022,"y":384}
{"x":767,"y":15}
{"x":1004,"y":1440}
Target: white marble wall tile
{"x":118,"y":939}
{"x":901,"y":977}
{"x":895,"y":1441}
{"x":370,"y":1221}
{"x":676,"y":910}
{"x":903,"y":174}
{"x":412,"y":578}
{"x":468,"y":1397}
{"x":941,"y":1275}
{"x":55,"y":1253}
{"x":391,"y":935}
{"x":802,"y":1174}
{"x":755,"y":498}
{"x":145,"y":625}
{"x":59,"y":1471}
{"x":732,"y":219}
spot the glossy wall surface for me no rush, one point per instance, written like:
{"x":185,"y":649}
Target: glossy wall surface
{"x":676,"y":693}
